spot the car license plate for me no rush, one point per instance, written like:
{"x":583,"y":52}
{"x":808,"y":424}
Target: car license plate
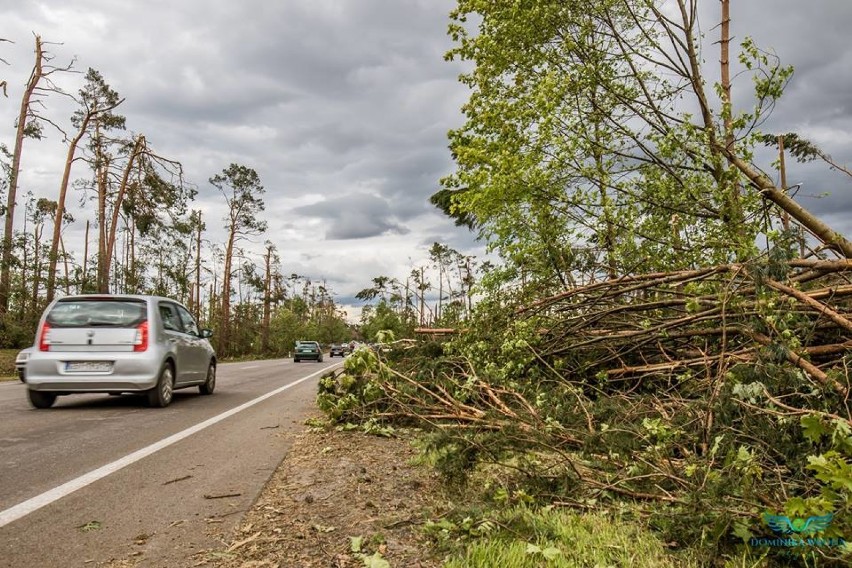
{"x":88,"y":366}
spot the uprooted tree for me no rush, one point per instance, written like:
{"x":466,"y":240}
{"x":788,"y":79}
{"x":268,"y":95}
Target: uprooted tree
{"x":655,"y":332}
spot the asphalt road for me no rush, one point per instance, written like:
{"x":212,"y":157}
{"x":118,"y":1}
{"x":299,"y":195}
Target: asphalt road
{"x":100,"y":480}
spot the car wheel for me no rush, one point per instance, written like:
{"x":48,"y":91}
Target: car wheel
{"x":319,"y":359}
{"x":296,"y":360}
{"x":41,"y":399}
{"x":210,"y":384}
{"x":161,"y":395}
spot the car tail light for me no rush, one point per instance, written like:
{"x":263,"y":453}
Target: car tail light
{"x":43,"y":339}
{"x":140,"y":343}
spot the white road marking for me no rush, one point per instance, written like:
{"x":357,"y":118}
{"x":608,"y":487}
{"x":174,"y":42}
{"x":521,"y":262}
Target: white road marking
{"x":250,"y":367}
{"x":30,"y":505}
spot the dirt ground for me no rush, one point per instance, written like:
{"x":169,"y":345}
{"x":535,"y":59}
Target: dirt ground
{"x":338,"y":500}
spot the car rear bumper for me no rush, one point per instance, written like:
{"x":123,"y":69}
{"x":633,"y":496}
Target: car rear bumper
{"x":91,"y":384}
{"x":133,"y":373}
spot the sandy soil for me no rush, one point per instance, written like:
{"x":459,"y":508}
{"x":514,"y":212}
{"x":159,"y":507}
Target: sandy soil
{"x":339,"y":499}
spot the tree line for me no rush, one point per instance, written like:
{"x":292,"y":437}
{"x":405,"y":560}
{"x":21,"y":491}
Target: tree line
{"x":141,"y":235}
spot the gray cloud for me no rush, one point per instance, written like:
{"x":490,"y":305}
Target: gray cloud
{"x":356,"y":216}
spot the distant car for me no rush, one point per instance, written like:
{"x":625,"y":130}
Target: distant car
{"x":116,"y":344}
{"x":307,"y":350}
{"x":337,"y":350}
{"x":21,"y":363}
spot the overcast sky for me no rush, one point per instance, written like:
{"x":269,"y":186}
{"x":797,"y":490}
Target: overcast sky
{"x":342,"y":107}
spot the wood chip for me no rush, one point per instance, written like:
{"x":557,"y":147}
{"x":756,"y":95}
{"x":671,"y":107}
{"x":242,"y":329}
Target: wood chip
{"x":243,"y":542}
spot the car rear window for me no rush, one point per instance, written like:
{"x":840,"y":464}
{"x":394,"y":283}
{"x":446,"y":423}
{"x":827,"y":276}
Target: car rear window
{"x":97,"y":313}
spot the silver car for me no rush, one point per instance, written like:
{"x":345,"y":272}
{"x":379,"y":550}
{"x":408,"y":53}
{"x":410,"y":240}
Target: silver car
{"x":118,"y":344}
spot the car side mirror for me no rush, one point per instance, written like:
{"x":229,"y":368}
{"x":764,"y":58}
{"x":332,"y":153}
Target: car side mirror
{"x":205,"y":333}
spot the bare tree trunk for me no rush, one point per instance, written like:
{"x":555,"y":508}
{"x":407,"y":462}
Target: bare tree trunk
{"x":6,"y":270}
{"x":211,"y":302}
{"x":266,"y":300}
{"x":65,"y":264}
{"x":112,"y":257}
{"x":83,"y":278}
{"x":422,"y":294}
{"x":85,"y":120}
{"x":22,"y":289}
{"x":440,"y":290}
{"x":785,"y":217}
{"x":138,"y":146}
{"x":469,"y":293}
{"x":132,"y":264}
{"x":36,"y":261}
{"x":224,"y":316}
{"x":60,"y":210}
{"x":102,"y":164}
{"x":198,"y":268}
{"x":126,"y":281}
{"x":731,"y":188}
{"x":724,"y":44}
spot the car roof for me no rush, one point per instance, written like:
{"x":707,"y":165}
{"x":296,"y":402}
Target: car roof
{"x":115,"y":297}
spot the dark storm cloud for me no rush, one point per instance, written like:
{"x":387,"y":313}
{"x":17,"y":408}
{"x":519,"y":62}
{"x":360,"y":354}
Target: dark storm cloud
{"x":356,"y":216}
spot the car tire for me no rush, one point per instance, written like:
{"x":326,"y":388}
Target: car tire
{"x":41,"y":399}
{"x":319,"y":359}
{"x":296,"y":360}
{"x":210,"y":384}
{"x":161,"y":395}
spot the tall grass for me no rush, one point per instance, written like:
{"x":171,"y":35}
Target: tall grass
{"x":523,"y":537}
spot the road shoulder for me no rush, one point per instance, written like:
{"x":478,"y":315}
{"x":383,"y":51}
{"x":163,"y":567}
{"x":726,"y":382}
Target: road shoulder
{"x":331,"y":488}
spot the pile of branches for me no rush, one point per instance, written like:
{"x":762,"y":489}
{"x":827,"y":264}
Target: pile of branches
{"x":702,"y":322}
{"x":704,"y":397}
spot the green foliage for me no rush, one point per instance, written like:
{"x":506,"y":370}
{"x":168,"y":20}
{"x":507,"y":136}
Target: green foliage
{"x":704,"y":454}
{"x":524,"y":537}
{"x":348,"y":396}
{"x":382,"y":318}
{"x":15,"y":332}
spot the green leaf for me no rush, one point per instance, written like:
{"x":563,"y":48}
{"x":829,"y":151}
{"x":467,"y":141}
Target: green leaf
{"x":375,"y":561}
{"x":533,"y":549}
{"x":742,"y":531}
{"x":551,"y":553}
{"x":355,"y":543}
{"x":90,"y":526}
{"x":795,"y":507}
{"x":812,"y":428}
